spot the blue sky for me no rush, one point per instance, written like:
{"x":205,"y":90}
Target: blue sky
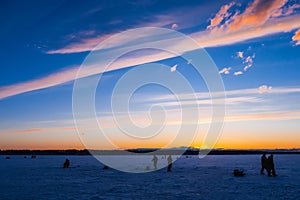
{"x":254,"y":44}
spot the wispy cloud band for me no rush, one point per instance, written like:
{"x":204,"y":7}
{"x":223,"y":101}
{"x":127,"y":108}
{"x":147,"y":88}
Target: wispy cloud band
{"x":207,"y":38}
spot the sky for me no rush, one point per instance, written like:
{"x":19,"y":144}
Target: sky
{"x":47,"y":47}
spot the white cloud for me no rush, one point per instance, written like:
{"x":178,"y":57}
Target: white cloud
{"x":225,"y":70}
{"x":174,"y":26}
{"x":238,"y":73}
{"x":174,"y":68}
{"x":240,"y":54}
{"x":248,"y":61}
{"x":208,"y":102}
{"x":264,"y":88}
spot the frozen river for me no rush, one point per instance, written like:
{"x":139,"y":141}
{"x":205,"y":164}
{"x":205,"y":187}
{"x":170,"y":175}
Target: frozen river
{"x":191,"y":178}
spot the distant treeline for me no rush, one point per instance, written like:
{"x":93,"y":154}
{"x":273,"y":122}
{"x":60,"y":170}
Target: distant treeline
{"x":147,"y":151}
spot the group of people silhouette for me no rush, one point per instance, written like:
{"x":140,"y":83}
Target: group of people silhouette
{"x":155,"y":159}
{"x":267,"y":163}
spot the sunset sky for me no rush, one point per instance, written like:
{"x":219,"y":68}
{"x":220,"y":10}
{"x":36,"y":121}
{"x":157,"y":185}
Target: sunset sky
{"x":255,"y":45}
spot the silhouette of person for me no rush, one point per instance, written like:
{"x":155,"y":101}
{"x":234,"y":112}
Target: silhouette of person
{"x":271,"y":165}
{"x":67,"y":163}
{"x":263,"y":163}
{"x":169,"y":163}
{"x":154,"y":160}
{"x":105,"y":167}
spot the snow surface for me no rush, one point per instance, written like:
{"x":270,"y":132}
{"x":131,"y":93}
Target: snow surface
{"x":191,"y":178}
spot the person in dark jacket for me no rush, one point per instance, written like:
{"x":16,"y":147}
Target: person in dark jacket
{"x":67,"y":163}
{"x":271,"y":165}
{"x":263,"y":163}
{"x":154,"y":160}
{"x":169,"y":163}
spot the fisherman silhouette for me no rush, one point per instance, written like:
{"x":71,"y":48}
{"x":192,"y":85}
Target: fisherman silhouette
{"x":169,"y":163}
{"x":67,"y":163}
{"x":272,"y":166}
{"x":263,"y":163}
{"x":154,"y":160}
{"x":105,"y":167}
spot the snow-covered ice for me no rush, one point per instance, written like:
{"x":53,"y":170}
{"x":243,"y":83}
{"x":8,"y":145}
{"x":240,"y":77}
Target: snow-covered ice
{"x":191,"y":178}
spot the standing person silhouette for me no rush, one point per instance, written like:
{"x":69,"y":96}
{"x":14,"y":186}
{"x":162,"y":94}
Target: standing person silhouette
{"x":272,"y":166}
{"x":67,"y":163}
{"x":169,"y":163}
{"x":154,"y":160}
{"x":263,"y":163}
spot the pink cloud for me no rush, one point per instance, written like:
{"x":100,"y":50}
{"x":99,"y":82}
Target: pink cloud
{"x":174,"y":26}
{"x":264,"y":88}
{"x":220,"y":16}
{"x":263,"y":116}
{"x":255,"y":14}
{"x":296,"y":37}
{"x":240,"y":54}
{"x":84,"y":45}
{"x":286,"y":11}
{"x":221,"y":38}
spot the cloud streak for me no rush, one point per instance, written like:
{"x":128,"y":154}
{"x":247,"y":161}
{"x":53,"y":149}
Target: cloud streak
{"x":206,"y":38}
{"x":45,"y":82}
{"x":84,"y":45}
{"x":229,"y":93}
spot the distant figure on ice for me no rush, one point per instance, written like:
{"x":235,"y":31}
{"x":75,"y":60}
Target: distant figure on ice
{"x":67,"y":163}
{"x":271,"y":165}
{"x":105,"y":167}
{"x":169,"y":163}
{"x":154,"y":160}
{"x":264,"y":161}
{"x":238,"y":172}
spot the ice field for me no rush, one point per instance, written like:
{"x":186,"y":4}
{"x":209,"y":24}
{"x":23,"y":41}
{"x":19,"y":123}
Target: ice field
{"x":191,"y":178}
